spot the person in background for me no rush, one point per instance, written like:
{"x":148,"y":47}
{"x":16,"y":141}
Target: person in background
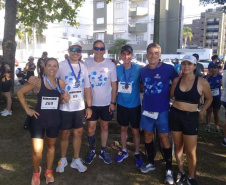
{"x":199,"y":69}
{"x":6,"y":83}
{"x":128,"y":103}
{"x":177,"y":65}
{"x":215,"y":81}
{"x":66,"y":56}
{"x":45,"y":118}
{"x":40,"y":63}
{"x":215,"y":60}
{"x":223,"y":143}
{"x":30,"y":68}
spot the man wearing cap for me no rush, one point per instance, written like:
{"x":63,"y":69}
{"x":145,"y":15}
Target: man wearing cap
{"x":199,"y":70}
{"x":128,"y":103}
{"x":156,"y":77}
{"x":30,"y":68}
{"x":40,"y":68}
{"x":73,"y":113}
{"x":102,"y":75}
{"x":215,"y":81}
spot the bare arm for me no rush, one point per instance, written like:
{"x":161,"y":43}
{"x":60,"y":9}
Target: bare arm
{"x":113,"y":96}
{"x":88,"y":95}
{"x":174,"y":84}
{"x":20,"y":94}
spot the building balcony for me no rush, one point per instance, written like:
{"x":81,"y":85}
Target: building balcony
{"x":138,"y":28}
{"x":212,"y":22}
{"x":212,"y":29}
{"x":212,"y":37}
{"x":138,"y":11}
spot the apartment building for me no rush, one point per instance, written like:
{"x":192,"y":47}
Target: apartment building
{"x":197,"y":27}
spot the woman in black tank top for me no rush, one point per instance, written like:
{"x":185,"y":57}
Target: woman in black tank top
{"x":45,"y":117}
{"x":184,"y":115}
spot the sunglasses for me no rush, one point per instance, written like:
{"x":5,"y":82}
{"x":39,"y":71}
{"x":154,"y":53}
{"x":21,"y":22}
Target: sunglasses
{"x":101,"y":49}
{"x":75,"y":50}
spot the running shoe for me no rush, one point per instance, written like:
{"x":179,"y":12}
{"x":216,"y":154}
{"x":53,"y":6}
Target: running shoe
{"x":207,"y":128}
{"x":181,"y":177}
{"x":217,"y":128}
{"x":147,"y":167}
{"x":36,"y":177}
{"x":89,"y":158}
{"x":49,"y":176}
{"x":77,"y":164}
{"x":61,"y":165}
{"x":192,"y":181}
{"x":223,"y":143}
{"x":138,"y":159}
{"x":7,"y":113}
{"x":3,"y":111}
{"x":169,"y":177}
{"x":121,"y":155}
{"x":105,"y":156}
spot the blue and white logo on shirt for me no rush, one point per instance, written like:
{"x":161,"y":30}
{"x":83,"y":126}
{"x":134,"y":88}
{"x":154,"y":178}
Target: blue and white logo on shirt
{"x":70,"y":82}
{"x":152,"y":86}
{"x":98,"y":80}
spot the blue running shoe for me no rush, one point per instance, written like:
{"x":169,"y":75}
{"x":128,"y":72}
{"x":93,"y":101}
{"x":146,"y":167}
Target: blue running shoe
{"x":89,"y":158}
{"x":121,"y":155}
{"x":139,"y":161}
{"x":207,"y":128}
{"x":147,"y":167}
{"x":105,"y":156}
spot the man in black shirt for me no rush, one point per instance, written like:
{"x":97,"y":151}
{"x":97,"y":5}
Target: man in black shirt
{"x":199,"y":71}
{"x":40,"y":66}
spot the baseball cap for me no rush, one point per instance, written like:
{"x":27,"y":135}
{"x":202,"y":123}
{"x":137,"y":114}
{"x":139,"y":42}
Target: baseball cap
{"x":30,"y":57}
{"x":189,"y":58}
{"x":127,"y":48}
{"x":214,"y":66}
{"x":75,"y":44}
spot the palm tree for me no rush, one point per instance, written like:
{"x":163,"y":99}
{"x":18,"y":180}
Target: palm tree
{"x":187,"y":34}
{"x":117,"y":45}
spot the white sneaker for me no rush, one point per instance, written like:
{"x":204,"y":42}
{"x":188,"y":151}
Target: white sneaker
{"x":77,"y":164}
{"x":169,"y":177}
{"x":7,"y":113}
{"x":3,"y":111}
{"x":61,"y":165}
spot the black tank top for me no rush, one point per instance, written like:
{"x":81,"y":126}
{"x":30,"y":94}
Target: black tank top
{"x":192,"y":96}
{"x":48,"y":107}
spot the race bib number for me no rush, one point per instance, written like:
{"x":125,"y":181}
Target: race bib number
{"x":215,"y":92}
{"x":153,"y":115}
{"x":76,"y":95}
{"x":49,"y":102}
{"x":123,"y":88}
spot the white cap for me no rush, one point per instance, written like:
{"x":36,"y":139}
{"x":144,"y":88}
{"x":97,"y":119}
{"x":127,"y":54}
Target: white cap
{"x":75,"y":44}
{"x":189,"y":58}
{"x":30,"y":57}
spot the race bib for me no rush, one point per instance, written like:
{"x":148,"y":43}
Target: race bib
{"x":76,"y":95}
{"x":215,"y":92}
{"x":123,"y":88}
{"x":49,"y":102}
{"x":153,"y":115}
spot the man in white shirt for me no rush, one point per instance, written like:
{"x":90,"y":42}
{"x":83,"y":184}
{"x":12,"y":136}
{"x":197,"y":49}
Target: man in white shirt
{"x":102,"y":75}
{"x":73,"y":113}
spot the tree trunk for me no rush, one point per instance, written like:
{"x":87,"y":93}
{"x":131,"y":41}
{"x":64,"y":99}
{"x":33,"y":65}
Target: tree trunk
{"x":9,"y":44}
{"x":157,"y":21}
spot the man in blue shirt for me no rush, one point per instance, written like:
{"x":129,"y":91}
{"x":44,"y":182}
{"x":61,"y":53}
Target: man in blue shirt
{"x":215,"y":81}
{"x":177,"y":66}
{"x":128,"y":103}
{"x":215,"y":60}
{"x":156,"y":77}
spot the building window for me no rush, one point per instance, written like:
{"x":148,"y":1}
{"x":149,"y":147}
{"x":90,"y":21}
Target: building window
{"x":119,"y":5}
{"x":100,"y":20}
{"x":139,"y":38}
{"x":100,"y":5}
{"x":119,"y":20}
{"x":151,"y":36}
{"x":100,"y":36}
{"x":118,"y":36}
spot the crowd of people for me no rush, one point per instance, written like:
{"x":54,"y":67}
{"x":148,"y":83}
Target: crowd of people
{"x":72,"y":92}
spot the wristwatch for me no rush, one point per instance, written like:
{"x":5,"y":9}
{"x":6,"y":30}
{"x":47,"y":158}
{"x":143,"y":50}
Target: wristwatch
{"x":89,"y":107}
{"x":113,"y":103}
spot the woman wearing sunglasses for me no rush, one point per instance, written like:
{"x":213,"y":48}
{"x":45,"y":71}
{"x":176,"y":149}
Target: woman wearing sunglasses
{"x":45,"y":118}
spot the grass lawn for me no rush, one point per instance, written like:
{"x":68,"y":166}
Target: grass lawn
{"x":16,"y":166}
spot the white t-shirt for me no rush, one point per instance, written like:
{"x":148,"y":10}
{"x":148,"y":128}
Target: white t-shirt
{"x":101,"y":74}
{"x":76,"y":92}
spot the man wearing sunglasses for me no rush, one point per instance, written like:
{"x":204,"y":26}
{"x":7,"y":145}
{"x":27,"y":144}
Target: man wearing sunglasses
{"x":73,"y":113}
{"x":128,"y":103}
{"x":102,"y":75}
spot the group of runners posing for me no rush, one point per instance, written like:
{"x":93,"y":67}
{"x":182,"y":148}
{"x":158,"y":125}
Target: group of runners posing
{"x":61,"y":106}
